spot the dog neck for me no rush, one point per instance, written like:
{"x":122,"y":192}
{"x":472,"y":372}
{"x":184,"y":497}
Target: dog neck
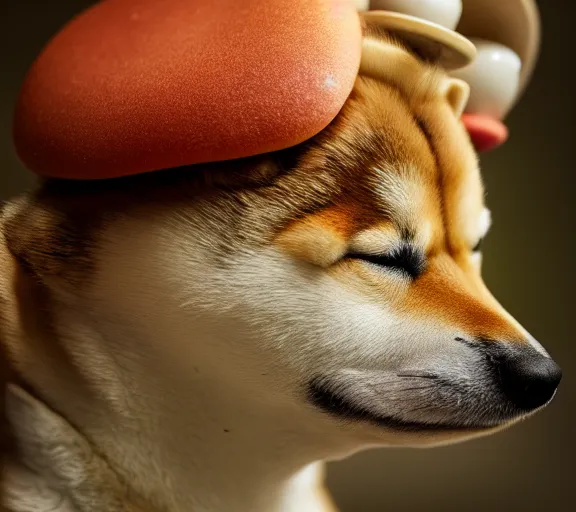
{"x":206,"y":450}
{"x":179,"y":442}
{"x":203,"y":448}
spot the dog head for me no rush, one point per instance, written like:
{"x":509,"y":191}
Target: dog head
{"x":336,"y":284}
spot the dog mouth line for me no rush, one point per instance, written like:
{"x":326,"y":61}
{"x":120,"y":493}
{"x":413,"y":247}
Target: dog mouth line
{"x":320,"y":395}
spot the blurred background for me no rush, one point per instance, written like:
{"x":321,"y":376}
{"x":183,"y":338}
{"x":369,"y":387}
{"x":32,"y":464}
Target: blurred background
{"x":530,"y":265}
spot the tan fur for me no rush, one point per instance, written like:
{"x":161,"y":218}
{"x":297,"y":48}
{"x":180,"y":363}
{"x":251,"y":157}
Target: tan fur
{"x":97,"y":281}
{"x":446,"y":175}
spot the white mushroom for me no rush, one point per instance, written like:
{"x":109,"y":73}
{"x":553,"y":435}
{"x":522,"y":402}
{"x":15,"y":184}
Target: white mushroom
{"x":443,"y":12}
{"x":493,"y":78}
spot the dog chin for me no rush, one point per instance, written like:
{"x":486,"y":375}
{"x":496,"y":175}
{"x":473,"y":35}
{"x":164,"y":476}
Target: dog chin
{"x":348,"y":407}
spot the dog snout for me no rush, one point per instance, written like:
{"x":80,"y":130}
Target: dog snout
{"x":528,"y":378}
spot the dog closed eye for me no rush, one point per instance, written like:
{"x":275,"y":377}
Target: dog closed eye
{"x":406,"y":259}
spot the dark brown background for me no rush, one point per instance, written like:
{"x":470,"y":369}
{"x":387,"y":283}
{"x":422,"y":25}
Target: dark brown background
{"x":529,"y":264}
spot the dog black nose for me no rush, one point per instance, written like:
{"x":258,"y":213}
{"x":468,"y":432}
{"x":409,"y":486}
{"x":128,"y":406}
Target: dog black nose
{"x":529,"y":379}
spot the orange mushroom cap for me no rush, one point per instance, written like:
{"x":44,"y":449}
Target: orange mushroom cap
{"x":133,"y":86}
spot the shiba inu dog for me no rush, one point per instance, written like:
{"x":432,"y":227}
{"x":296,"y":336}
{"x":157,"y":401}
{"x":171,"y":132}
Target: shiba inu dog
{"x":203,"y":339}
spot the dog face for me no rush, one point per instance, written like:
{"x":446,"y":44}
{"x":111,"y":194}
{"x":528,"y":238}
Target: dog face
{"x":409,"y":244}
{"x":336,"y":285}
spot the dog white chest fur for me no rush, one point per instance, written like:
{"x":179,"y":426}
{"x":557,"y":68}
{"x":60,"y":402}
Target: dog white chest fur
{"x":202,"y":339}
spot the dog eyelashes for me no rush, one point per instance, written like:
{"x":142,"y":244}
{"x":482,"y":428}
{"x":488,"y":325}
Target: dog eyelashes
{"x":406,"y":259}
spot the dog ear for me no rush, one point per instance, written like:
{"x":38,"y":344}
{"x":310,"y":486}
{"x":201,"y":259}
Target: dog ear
{"x":48,"y":241}
{"x":457,"y":93}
